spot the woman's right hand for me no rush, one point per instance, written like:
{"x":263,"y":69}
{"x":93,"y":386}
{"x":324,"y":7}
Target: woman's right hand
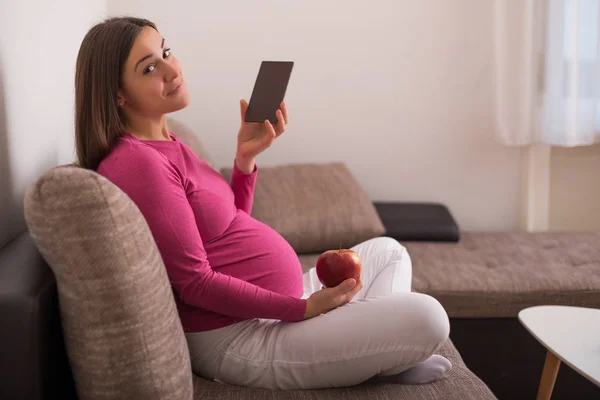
{"x":327,"y":299}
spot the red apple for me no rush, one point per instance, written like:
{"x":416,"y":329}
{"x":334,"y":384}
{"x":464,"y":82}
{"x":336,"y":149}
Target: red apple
{"x":335,"y":266}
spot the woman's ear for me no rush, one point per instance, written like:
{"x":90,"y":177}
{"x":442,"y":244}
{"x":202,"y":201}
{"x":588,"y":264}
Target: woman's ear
{"x":120,"y":98}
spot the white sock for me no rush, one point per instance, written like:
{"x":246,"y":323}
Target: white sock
{"x":430,"y":370}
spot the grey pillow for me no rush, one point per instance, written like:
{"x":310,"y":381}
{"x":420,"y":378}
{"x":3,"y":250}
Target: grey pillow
{"x":122,"y":332}
{"x":315,"y":207}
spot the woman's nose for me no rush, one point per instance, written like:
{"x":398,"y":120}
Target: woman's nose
{"x":171,"y":72}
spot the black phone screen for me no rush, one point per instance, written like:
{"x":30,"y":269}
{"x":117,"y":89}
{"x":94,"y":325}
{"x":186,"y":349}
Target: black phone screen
{"x":269,"y":91}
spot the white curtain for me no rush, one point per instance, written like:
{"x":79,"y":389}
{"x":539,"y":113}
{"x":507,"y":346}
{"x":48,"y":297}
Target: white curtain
{"x":547,"y":71}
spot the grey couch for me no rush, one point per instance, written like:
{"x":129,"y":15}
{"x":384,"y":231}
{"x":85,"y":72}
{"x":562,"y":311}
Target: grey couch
{"x":67,"y":307}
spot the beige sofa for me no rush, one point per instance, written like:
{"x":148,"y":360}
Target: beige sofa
{"x":117,"y":314}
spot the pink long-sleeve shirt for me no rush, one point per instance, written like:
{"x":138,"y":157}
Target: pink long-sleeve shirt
{"x":224,"y":265}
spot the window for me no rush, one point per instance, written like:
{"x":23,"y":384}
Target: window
{"x":581,"y":51}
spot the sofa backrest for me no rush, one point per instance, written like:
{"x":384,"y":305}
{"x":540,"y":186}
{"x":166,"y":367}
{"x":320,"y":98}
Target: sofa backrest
{"x":121,"y":328}
{"x":34,"y":362}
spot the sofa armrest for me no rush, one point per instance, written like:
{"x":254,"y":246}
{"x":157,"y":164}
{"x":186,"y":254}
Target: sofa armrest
{"x":34,"y":363}
{"x":418,"y":221}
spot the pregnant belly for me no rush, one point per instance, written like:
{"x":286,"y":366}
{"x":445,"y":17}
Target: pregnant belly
{"x":256,"y":253}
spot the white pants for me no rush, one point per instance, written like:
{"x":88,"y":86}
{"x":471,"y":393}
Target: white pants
{"x":385,"y":330}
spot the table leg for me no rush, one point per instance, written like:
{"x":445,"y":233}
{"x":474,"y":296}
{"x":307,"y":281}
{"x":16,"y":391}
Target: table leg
{"x":551,"y":366}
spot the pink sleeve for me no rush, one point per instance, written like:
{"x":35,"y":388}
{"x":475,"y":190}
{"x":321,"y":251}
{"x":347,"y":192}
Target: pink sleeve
{"x":157,"y":188}
{"x":243,"y":185}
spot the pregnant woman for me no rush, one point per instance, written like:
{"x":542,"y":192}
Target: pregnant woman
{"x":251,"y":317}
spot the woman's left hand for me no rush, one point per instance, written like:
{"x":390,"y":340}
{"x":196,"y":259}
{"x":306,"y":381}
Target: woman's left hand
{"x":256,"y":137}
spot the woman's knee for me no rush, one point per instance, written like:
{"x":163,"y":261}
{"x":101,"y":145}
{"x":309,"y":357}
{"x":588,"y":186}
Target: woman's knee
{"x":399,"y":255}
{"x":434,"y":324}
{"x":382,"y":243}
{"x":393,"y":246}
{"x":390,"y":243}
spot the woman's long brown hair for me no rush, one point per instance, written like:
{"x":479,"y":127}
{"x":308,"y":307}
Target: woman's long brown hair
{"x":102,"y":55}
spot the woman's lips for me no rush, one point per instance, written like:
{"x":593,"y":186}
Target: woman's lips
{"x":176,"y":90}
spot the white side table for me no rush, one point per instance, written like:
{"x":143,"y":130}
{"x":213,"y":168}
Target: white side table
{"x":571,"y":335}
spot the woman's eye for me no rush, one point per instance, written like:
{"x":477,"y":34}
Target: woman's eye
{"x":166,"y":53}
{"x":149,"y":68}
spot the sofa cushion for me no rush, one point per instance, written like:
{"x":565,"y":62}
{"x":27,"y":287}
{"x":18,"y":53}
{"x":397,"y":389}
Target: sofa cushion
{"x":497,"y":274}
{"x":315,"y":207}
{"x":459,"y":384}
{"x":122,"y":332}
{"x":429,"y":222}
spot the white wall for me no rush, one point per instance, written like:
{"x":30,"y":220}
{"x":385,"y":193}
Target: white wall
{"x":400,"y":90}
{"x":39,"y":41}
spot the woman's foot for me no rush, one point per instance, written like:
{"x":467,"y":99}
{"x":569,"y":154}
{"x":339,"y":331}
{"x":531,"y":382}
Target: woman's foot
{"x":430,"y":370}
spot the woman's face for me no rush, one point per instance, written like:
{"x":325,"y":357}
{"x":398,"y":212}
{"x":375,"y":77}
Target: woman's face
{"x":152,"y":81}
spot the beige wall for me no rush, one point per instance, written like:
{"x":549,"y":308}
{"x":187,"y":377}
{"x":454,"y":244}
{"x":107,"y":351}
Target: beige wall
{"x":39,"y":41}
{"x":575,"y":188}
{"x":399,"y":90}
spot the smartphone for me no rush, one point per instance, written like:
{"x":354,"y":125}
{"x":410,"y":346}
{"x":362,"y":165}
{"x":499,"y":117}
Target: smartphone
{"x":269,"y":91}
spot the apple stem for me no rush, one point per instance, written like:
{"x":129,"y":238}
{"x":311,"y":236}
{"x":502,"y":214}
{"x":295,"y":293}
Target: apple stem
{"x":340,"y":247}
